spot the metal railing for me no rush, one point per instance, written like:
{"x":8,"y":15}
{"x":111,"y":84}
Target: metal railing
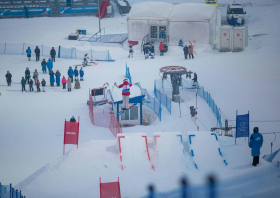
{"x":144,"y":40}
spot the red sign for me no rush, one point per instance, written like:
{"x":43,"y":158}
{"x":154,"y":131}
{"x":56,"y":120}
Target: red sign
{"x":71,"y":133}
{"x":238,"y":34}
{"x":225,"y":34}
{"x":110,"y":190}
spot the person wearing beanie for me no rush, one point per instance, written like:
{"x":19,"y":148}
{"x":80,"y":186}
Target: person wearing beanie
{"x":256,"y":141}
{"x":73,"y":119}
{"x":70,"y":73}
{"x":82,"y":74}
{"x":27,"y":75}
{"x":161,"y":48}
{"x":69,"y":83}
{"x":44,"y":66}
{"x":31,"y":85}
{"x":51,"y":78}
{"x":8,"y":78}
{"x":77,"y":84}
{"x":49,"y":65}
{"x":63,"y":81}
{"x":38,"y":86}
{"x":43,"y":85}
{"x":57,"y":78}
{"x":125,"y":92}
{"x":76,"y":73}
{"x":23,"y":82}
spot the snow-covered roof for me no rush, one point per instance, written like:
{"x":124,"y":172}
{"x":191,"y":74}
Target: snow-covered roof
{"x":150,"y":10}
{"x":192,"y":12}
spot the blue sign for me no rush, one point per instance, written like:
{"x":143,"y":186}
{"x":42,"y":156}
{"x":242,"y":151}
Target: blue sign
{"x":31,"y":11}
{"x":66,"y":10}
{"x":242,"y":126}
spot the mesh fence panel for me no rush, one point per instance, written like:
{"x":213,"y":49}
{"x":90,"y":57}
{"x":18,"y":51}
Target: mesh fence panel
{"x":5,"y":191}
{"x":114,"y":125}
{"x":14,"y":49}
{"x":46,"y":50}
{"x":80,"y":54}
{"x":100,"y":55}
{"x":2,"y":48}
{"x":153,"y":104}
{"x":101,"y":117}
{"x":66,"y":52}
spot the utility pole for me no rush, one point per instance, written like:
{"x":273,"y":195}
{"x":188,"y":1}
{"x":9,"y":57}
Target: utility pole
{"x":99,"y":13}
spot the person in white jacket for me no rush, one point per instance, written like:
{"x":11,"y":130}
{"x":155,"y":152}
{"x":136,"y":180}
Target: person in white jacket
{"x":239,"y":20}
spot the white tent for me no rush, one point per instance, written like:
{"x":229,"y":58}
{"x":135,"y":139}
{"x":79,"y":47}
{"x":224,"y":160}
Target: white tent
{"x":145,"y":14}
{"x":187,"y":21}
{"x":193,"y":21}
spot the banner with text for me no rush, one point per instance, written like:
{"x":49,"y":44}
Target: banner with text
{"x":71,"y":133}
{"x":31,"y":11}
{"x":69,"y":10}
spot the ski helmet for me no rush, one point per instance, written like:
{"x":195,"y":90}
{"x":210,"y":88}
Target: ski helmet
{"x":125,"y":79}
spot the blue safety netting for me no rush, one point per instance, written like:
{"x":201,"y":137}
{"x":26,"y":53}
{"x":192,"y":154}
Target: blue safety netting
{"x":154,"y":105}
{"x":162,"y":98}
{"x":7,"y":191}
{"x":127,"y":73}
{"x":61,"y":52}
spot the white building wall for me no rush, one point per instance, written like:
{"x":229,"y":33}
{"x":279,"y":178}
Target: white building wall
{"x":137,"y":29}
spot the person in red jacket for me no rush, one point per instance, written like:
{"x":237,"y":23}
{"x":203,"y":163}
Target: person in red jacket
{"x":38,"y":85}
{"x":125,"y":92}
{"x":161,"y":48}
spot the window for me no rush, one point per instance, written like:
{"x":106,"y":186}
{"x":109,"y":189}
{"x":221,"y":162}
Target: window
{"x":125,"y":115}
{"x":162,"y":31}
{"x":154,"y":32}
{"x":236,"y":11}
{"x":134,"y":113}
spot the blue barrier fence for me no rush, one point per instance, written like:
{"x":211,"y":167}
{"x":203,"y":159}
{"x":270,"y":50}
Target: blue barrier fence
{"x":207,"y":98}
{"x":162,"y":98}
{"x":154,"y":105}
{"x":7,"y":191}
{"x":127,"y":73}
{"x":61,"y":52}
{"x":23,"y":11}
{"x":68,"y":10}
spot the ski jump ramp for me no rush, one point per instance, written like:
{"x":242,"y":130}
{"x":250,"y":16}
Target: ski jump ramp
{"x":134,"y":151}
{"x":205,"y":151}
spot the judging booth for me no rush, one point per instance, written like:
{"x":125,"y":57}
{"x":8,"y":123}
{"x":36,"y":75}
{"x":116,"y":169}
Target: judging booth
{"x":132,"y":116}
{"x":186,"y":21}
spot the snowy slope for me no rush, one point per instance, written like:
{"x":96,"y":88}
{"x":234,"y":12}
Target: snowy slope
{"x":31,"y":124}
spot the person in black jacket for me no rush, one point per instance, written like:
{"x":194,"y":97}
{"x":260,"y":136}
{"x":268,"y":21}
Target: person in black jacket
{"x":195,"y":77}
{"x":53,"y":53}
{"x":43,"y":85}
{"x":37,"y":52}
{"x":72,"y":119}
{"x":23,"y":81}
{"x":186,"y":51}
{"x":9,"y":78}
{"x":27,"y":75}
{"x":152,"y":50}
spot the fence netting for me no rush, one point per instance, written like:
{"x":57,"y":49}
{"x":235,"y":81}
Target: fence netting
{"x":154,"y":105}
{"x":61,"y":52}
{"x":162,"y":98}
{"x":104,"y":117}
{"x":7,"y":191}
{"x":207,"y":98}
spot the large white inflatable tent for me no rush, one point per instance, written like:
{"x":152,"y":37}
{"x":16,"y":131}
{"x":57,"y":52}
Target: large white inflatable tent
{"x":187,"y":21}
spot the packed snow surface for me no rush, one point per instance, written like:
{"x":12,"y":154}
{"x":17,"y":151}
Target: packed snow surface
{"x":32,"y":124}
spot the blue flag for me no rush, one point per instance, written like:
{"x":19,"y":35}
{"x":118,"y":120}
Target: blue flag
{"x":242,"y":126}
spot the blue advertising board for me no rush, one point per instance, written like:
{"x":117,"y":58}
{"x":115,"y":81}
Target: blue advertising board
{"x":242,"y":126}
{"x":68,"y":10}
{"x":31,"y":11}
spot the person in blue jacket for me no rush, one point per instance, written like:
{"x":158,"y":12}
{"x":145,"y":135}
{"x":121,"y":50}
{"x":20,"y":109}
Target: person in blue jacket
{"x":57,"y":78}
{"x":70,"y":73}
{"x":181,"y":43}
{"x":81,"y":74}
{"x":256,"y":141}
{"x":232,"y":20}
{"x":76,"y":72}
{"x":49,"y":65}
{"x":44,"y":66}
{"x":51,"y":78}
{"x":28,"y":52}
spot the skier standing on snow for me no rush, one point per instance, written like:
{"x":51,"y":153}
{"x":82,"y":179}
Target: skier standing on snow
{"x":63,"y":82}
{"x":43,"y":85}
{"x":23,"y":82}
{"x":53,"y":53}
{"x":161,"y":48}
{"x":49,"y":65}
{"x":37,"y":52}
{"x":130,"y":51}
{"x":186,"y":51}
{"x":81,"y":74}
{"x":256,"y":141}
{"x":27,"y":75}
{"x":70,"y":73}
{"x":35,"y":75}
{"x":85,"y":60}
{"x":152,"y":50}
{"x":125,"y":92}
{"x":190,"y":51}
{"x":8,"y":78}
{"x":69,"y":83}
{"x":76,"y":73}
{"x":28,"y":52}
{"x":31,"y":85}
{"x":57,"y":78}
{"x":51,"y":78}
{"x":44,"y":66}
{"x":38,"y":85}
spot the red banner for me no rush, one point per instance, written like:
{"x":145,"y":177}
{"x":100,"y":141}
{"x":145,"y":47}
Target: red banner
{"x":71,"y":133}
{"x":109,"y":190}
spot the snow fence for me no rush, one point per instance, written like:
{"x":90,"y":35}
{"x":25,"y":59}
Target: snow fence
{"x":162,"y":98}
{"x":7,"y":191}
{"x":103,"y":118}
{"x":61,"y":52}
{"x":207,"y":98}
